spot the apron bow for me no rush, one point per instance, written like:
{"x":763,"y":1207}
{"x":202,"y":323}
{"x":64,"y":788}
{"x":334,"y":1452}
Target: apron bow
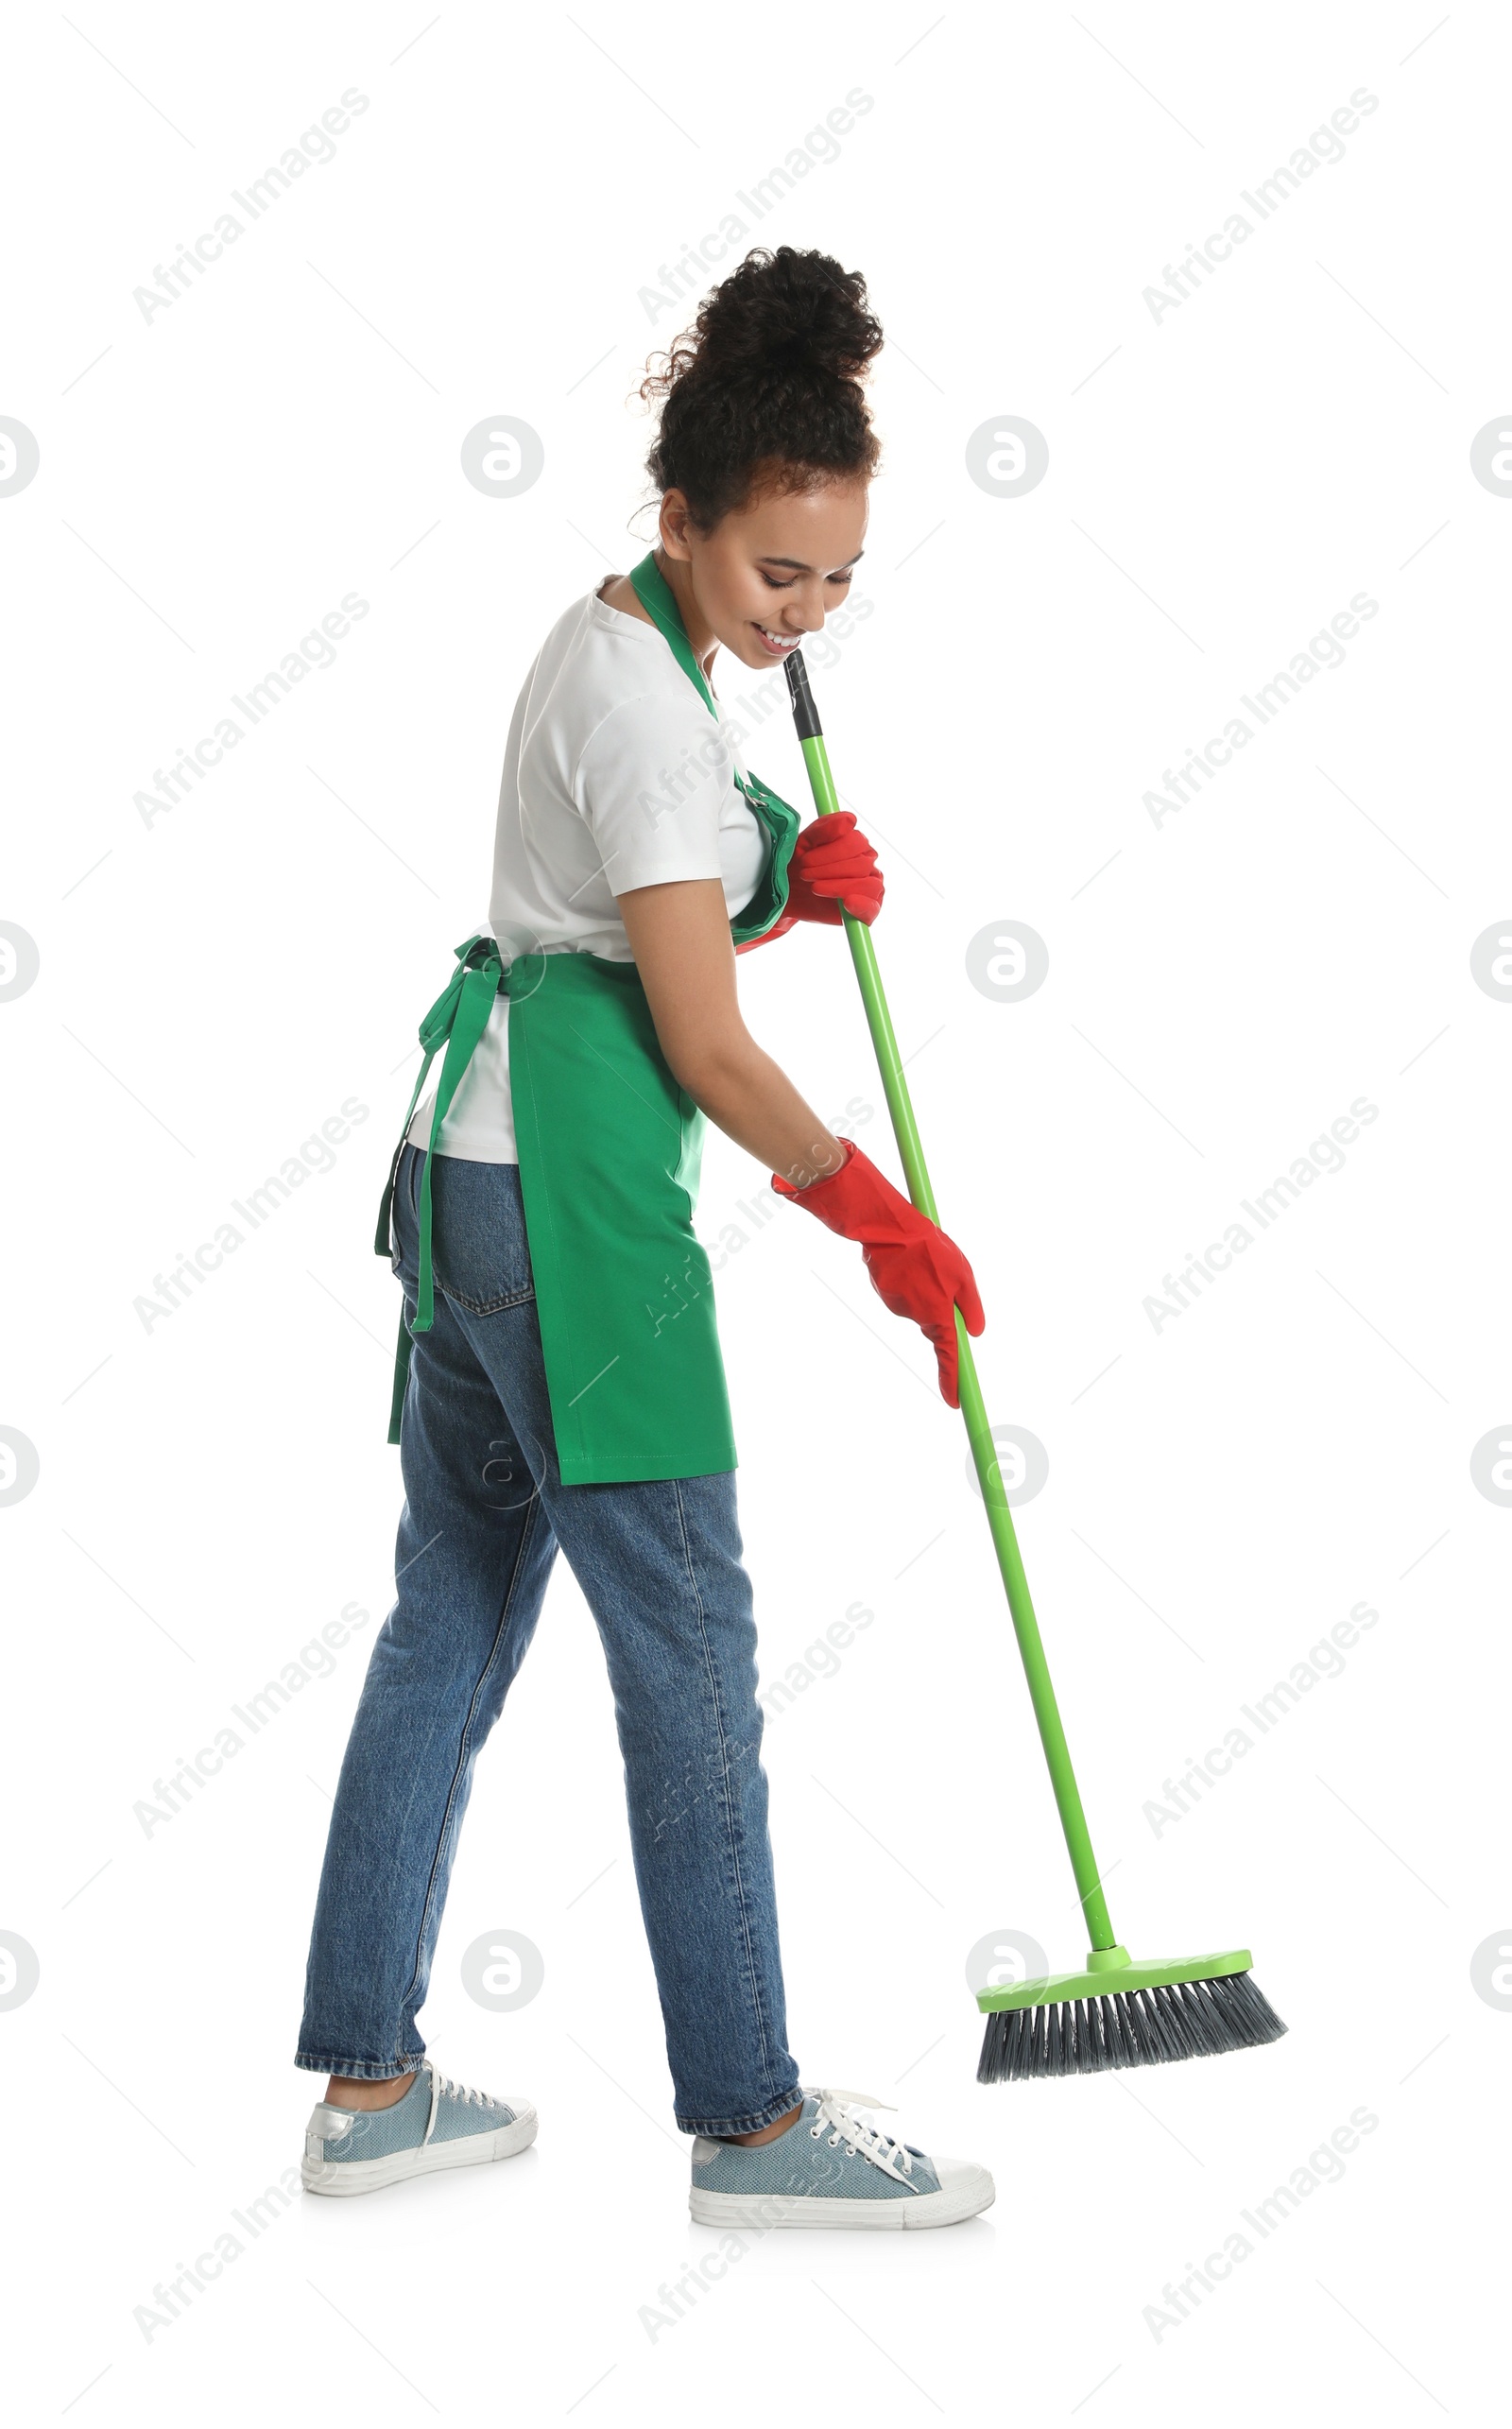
{"x":456,"y":1021}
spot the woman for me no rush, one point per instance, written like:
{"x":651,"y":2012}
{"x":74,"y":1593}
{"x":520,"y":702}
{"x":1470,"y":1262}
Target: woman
{"x":559,"y":1378}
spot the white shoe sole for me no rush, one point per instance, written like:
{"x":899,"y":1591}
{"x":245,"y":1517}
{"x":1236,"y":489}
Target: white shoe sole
{"x":973,"y":2191}
{"x":345,"y":2176}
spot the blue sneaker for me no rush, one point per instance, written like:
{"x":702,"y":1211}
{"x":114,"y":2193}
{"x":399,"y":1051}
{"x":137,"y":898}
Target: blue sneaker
{"x":830,"y":2169}
{"x":437,"y":2124}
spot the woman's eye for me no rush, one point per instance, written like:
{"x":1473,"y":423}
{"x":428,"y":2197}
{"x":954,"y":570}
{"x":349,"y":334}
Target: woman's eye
{"x":773,"y":585}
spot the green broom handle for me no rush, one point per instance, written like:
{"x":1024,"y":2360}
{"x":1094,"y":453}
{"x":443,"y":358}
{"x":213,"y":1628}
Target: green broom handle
{"x":979,"y":1432}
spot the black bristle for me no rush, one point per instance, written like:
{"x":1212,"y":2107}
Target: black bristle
{"x":1119,"y":2044}
{"x":1099,"y":2038}
{"x":1024,"y":2064}
{"x":1088,"y":2038}
{"x":1056,"y":2037}
{"x":1036,"y":2059}
{"x":1128,"y":2029}
{"x":1182,"y":2020}
{"x":1022,"y":2029}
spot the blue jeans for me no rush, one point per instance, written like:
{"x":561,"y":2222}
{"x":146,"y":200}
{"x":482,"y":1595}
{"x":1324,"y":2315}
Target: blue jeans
{"x":660,"y":1565}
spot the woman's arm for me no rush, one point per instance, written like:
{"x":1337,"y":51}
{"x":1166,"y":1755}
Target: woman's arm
{"x":679,"y":936}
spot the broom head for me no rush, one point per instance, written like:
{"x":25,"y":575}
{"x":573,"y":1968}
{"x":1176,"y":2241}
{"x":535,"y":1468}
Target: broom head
{"x":1120,"y":2013}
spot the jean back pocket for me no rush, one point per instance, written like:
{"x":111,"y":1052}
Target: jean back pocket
{"x":480,"y":1253}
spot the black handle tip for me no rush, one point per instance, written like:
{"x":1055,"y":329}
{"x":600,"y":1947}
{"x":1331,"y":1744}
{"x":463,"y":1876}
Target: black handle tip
{"x":805,"y":716}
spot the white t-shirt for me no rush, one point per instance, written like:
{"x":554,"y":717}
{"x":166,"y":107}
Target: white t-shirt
{"x":615,"y":776}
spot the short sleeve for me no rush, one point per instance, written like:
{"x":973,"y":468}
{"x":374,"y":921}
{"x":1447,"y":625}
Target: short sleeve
{"x":651,"y":783}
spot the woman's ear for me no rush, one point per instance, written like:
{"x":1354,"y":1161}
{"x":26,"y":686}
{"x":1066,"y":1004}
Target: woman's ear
{"x":673,"y":530}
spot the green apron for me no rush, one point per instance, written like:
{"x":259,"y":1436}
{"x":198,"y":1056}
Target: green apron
{"x":609,"y":1147}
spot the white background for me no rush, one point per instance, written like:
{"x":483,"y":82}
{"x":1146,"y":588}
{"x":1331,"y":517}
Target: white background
{"x":1221,"y":1493}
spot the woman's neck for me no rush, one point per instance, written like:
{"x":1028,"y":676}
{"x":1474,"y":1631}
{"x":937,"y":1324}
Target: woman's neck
{"x":701,"y":640}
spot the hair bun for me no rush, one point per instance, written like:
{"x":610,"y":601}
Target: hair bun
{"x":787,"y":312}
{"x":765,"y":391}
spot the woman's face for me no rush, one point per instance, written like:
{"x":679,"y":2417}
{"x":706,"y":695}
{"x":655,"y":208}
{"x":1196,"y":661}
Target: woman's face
{"x":776,"y":568}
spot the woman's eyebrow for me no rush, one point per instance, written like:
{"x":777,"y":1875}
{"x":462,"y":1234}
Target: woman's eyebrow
{"x":796,"y":565}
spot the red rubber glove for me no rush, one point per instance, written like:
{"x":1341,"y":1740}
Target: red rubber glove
{"x":916,"y":1268}
{"x":832,"y":859}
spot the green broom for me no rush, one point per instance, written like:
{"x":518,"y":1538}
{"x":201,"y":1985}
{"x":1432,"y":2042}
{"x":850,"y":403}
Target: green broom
{"x":1118,"y":2012}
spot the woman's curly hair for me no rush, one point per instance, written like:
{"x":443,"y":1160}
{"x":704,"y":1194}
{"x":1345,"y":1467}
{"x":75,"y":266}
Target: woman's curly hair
{"x":762,"y":395}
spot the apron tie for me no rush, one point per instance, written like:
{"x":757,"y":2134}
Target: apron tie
{"x":456,"y":1021}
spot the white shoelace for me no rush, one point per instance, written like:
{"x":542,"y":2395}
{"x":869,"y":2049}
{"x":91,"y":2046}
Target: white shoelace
{"x":441,"y":2085}
{"x":837,"y":2110}
{"x":461,"y":2091}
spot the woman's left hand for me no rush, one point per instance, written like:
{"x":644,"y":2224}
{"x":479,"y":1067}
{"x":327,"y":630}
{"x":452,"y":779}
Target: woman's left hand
{"x":833,"y":868}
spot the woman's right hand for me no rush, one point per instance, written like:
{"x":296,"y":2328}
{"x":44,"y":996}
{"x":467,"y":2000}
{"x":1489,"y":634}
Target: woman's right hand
{"x":917,"y":1268}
